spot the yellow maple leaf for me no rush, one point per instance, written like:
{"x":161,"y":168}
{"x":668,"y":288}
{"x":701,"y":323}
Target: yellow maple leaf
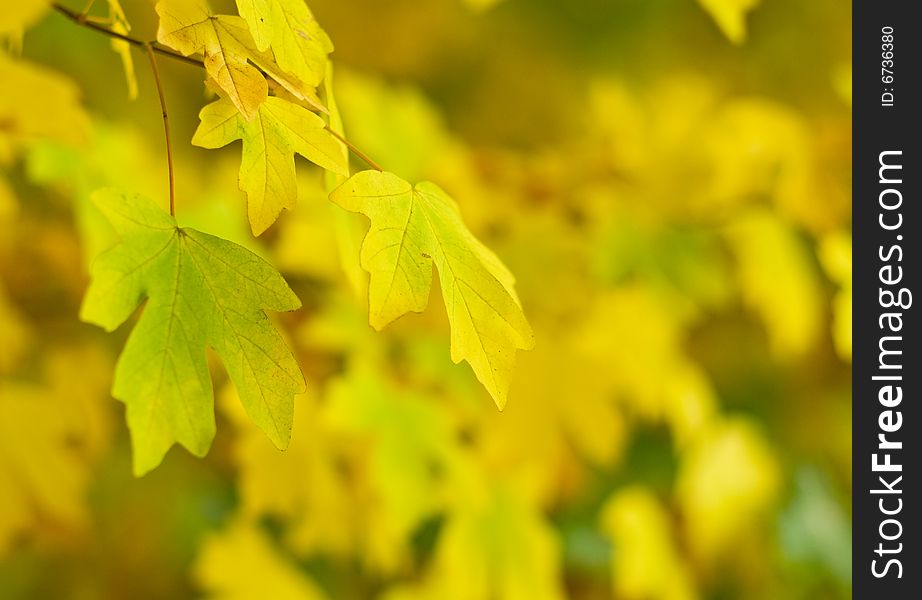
{"x":189,"y":26}
{"x":413,"y":228}
{"x":277,"y":130}
{"x":288,"y":27}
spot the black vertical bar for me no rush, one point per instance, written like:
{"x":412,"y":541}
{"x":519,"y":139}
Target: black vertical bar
{"x":886,"y":559}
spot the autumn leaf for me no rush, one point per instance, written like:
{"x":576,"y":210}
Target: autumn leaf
{"x":413,"y":228}
{"x":201,"y":291}
{"x":278,"y":130}
{"x":299,"y":43}
{"x":189,"y":26}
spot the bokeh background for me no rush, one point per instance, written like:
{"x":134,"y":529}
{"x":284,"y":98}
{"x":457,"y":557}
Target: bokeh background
{"x":669,"y":180}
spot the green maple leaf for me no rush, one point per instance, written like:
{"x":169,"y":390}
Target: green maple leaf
{"x":412,"y":228}
{"x":278,"y":130}
{"x":201,"y":291}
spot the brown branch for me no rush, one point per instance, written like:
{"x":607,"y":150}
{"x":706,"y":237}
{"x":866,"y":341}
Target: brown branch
{"x":166,"y":125}
{"x":82,"y":20}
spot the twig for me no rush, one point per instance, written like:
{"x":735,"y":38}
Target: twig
{"x":166,"y":125}
{"x":356,"y":151}
{"x":82,"y":20}
{"x":87,"y":8}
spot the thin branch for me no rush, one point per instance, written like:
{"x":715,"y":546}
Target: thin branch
{"x":166,"y":125}
{"x":82,"y":20}
{"x":87,"y":8}
{"x":356,"y":151}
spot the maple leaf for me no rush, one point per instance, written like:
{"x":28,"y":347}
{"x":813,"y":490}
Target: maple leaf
{"x":189,"y":26}
{"x":278,"y":130}
{"x":202,"y":291}
{"x":299,"y":43}
{"x":412,"y":228}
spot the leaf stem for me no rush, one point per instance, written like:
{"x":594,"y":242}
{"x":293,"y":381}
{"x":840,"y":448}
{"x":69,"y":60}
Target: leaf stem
{"x":166,"y":125}
{"x":87,"y":8}
{"x":82,"y":20}
{"x":356,"y":151}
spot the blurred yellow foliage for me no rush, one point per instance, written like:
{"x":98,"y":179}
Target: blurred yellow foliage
{"x":836,"y":258}
{"x":647,"y":564}
{"x":674,"y":208}
{"x":240,"y":563}
{"x":18,"y":15}
{"x":728,"y":481}
{"x":41,"y":477}
{"x":778,"y":281}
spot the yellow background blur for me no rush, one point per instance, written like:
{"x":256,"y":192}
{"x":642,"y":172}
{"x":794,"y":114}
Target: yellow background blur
{"x":669,"y":182}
